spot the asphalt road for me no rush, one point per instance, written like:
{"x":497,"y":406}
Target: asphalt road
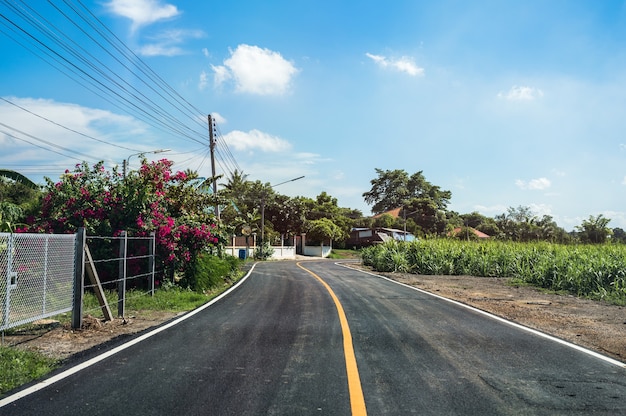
{"x":280,"y":345}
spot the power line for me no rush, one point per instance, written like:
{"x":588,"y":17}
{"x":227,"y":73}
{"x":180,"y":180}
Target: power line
{"x":159,"y":105}
{"x":67,"y":128}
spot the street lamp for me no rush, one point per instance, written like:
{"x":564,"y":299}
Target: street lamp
{"x":126,"y":161}
{"x":263,"y":206}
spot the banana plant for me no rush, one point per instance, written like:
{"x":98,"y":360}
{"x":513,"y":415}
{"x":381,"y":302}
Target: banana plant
{"x":18,"y":177}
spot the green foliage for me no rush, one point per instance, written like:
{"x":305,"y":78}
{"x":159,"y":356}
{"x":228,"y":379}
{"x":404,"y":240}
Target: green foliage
{"x":152,"y":199}
{"x":263,"y":251}
{"x":384,"y":221}
{"x":618,"y":235}
{"x":393,"y":188}
{"x":9,"y":214}
{"x":18,"y":367}
{"x":323,"y":230}
{"x":209,"y":271}
{"x":594,"y":230}
{"x":18,"y":177}
{"x":597,"y":271}
{"x":521,"y":224}
{"x":19,"y":197}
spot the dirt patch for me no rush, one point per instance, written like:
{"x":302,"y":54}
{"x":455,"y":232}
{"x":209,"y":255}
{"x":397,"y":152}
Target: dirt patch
{"x":595,"y":325}
{"x":51,"y":338}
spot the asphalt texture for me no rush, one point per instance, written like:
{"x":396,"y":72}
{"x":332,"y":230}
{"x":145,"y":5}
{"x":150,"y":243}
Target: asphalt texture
{"x":275,"y":346}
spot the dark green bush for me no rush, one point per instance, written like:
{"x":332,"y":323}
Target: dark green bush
{"x":209,"y":271}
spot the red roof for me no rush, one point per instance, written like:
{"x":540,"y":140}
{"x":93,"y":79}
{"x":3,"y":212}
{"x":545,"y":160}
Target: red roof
{"x":394,"y":213}
{"x":478,"y":234}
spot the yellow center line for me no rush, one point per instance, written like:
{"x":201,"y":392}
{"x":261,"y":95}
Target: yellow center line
{"x":357,"y":401}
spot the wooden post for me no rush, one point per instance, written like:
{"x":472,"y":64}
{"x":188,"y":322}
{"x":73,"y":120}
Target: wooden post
{"x":95,"y":281}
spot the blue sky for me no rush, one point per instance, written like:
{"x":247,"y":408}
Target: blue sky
{"x":504,"y":103}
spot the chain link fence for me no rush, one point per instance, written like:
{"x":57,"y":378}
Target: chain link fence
{"x":36,"y":277}
{"x":43,"y":275}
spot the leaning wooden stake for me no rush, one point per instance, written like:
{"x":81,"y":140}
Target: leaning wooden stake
{"x":95,"y":281}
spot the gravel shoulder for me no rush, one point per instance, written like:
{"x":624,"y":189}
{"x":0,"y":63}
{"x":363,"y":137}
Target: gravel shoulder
{"x":592,"y":324}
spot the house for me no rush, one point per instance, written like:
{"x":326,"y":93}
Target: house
{"x":360,"y":236}
{"x":474,"y":231}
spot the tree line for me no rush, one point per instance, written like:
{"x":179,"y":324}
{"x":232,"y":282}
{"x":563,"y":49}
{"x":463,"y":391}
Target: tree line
{"x":423,"y":208}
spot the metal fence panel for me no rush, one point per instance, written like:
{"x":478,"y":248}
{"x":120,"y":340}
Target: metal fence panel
{"x":36,"y":277}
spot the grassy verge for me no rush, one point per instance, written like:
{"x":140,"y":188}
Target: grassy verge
{"x":343,"y":254}
{"x":18,"y":367}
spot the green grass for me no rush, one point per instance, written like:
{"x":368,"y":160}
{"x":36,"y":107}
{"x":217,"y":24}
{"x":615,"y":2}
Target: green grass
{"x":18,"y":367}
{"x":342,"y":254}
{"x":173,"y":300}
{"x":593,"y":271}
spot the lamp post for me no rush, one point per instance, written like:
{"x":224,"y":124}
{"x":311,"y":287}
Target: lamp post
{"x":263,"y":206}
{"x":126,"y":161}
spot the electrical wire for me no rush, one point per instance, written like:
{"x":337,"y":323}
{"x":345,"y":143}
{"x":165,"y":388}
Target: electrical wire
{"x":160,"y":105}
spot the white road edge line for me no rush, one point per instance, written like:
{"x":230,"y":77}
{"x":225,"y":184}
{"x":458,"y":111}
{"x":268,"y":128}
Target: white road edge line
{"x":498,"y":318}
{"x":70,"y":371}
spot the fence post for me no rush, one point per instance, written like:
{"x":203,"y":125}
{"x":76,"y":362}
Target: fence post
{"x":151,"y":261}
{"x":10,"y":276}
{"x":79,"y":279}
{"x":121,"y":281}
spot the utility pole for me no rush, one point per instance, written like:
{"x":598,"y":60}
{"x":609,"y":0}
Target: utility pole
{"x":212,"y":147}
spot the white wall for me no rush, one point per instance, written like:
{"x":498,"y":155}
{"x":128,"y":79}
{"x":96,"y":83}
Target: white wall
{"x":317,"y":251}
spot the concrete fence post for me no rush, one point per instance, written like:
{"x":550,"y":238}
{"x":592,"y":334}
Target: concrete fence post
{"x":79,"y":279}
{"x":121,"y":281}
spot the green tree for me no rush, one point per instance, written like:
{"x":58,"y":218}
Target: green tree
{"x":19,"y":198}
{"x":384,"y":221}
{"x":619,"y":235}
{"x":393,"y":188}
{"x":594,"y":230}
{"x":323,"y":230}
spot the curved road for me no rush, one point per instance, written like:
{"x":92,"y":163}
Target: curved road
{"x":319,"y":338}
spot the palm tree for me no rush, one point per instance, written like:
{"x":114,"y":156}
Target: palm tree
{"x":594,"y":230}
{"x":236,"y":182}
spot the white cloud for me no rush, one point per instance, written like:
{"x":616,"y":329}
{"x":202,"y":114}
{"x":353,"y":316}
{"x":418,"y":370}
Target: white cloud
{"x":218,"y":118}
{"x":540,"y":210}
{"x":624,"y":181}
{"x":167,"y":43}
{"x":491,"y":210}
{"x":404,"y":64}
{"x":255,"y":139}
{"x":533,"y":184}
{"x":33,"y":141}
{"x":142,"y":12}
{"x":256,"y":71}
{"x":160,"y":50}
{"x":220,"y":74}
{"x":518,"y":93}
{"x":203,"y":82}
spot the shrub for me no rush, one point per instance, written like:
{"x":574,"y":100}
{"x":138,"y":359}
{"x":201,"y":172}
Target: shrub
{"x":209,"y":271}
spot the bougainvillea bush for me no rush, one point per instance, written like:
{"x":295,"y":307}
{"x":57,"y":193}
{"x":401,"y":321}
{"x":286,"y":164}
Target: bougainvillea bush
{"x":152,"y":199}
